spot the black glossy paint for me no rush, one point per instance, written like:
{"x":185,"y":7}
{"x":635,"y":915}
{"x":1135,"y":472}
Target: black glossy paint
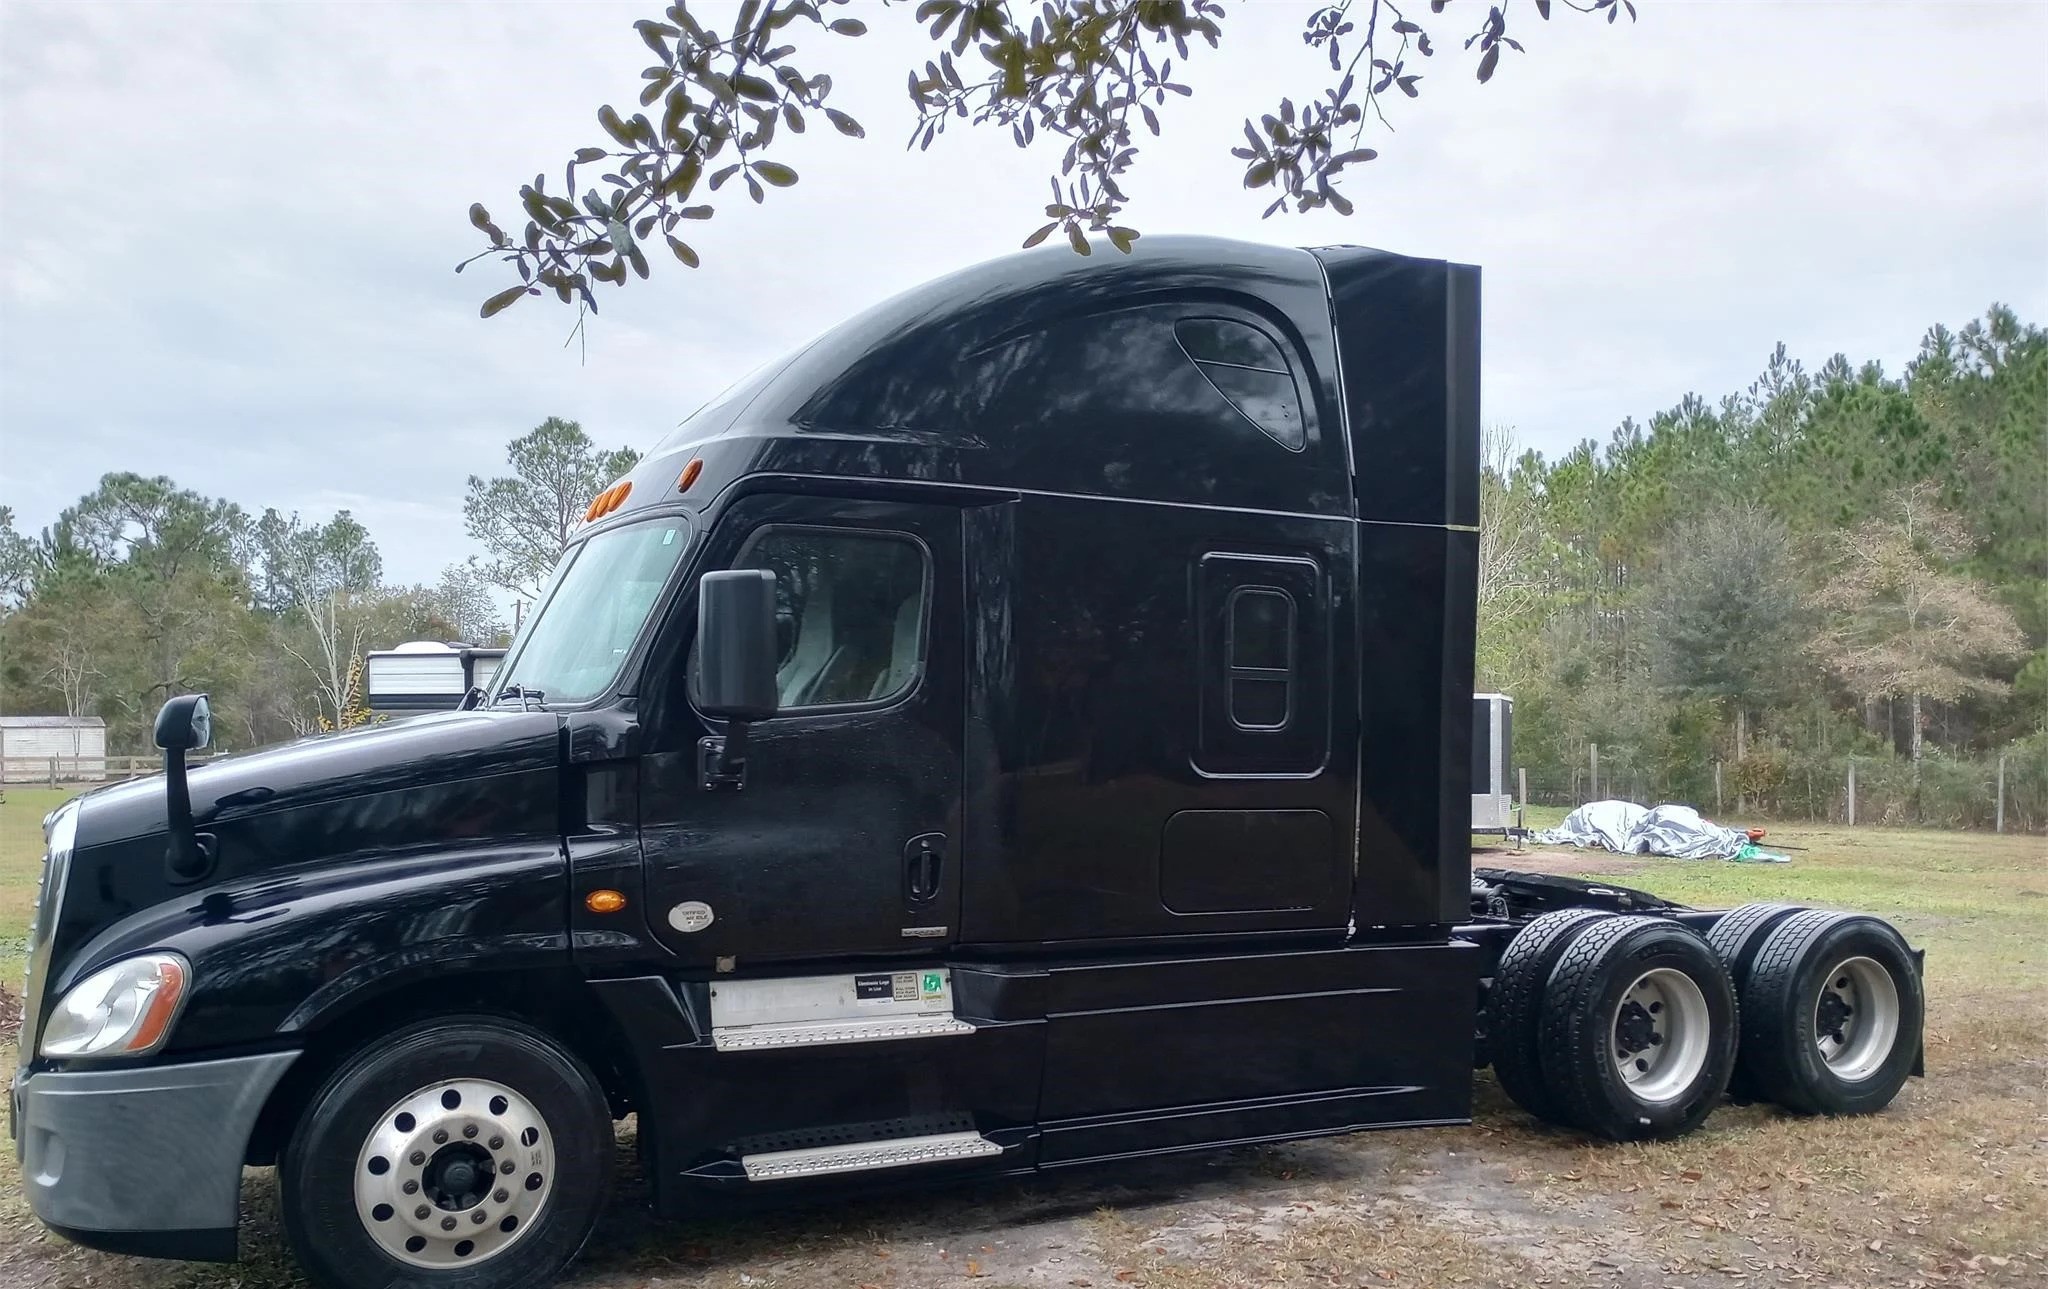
{"x":1195,"y":886}
{"x":345,"y":866}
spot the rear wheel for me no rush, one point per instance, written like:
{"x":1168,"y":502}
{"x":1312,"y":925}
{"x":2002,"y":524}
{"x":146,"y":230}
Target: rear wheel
{"x":1638,"y":1035}
{"x":1737,"y":937}
{"x":1514,"y":1007}
{"x":463,"y":1152}
{"x":1832,"y":1014}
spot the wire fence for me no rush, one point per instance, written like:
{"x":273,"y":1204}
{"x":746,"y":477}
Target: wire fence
{"x":2006,"y":792}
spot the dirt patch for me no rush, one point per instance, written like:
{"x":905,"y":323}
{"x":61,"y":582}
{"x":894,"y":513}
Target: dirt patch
{"x":10,"y":1015}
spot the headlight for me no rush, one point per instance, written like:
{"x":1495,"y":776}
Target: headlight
{"x":122,"y":1010}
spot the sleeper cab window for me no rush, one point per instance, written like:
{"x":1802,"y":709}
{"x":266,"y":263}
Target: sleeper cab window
{"x":1259,"y":656}
{"x":1245,"y":366}
{"x":850,"y":609}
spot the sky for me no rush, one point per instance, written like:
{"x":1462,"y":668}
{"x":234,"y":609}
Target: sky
{"x":227,"y":230}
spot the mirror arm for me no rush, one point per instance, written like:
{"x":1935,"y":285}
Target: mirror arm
{"x":722,"y":759}
{"x":188,"y":856}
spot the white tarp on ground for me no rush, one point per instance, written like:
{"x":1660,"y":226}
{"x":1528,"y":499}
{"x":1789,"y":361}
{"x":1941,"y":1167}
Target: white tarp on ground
{"x":1676,"y":832}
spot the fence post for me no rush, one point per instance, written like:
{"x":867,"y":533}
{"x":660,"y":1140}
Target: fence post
{"x":1852,"y":793}
{"x":1717,"y":789}
{"x":53,"y":771}
{"x":1999,"y":824}
{"x":1593,"y":752}
{"x":1522,"y":784}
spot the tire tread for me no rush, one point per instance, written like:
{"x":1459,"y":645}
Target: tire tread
{"x":1514,"y":1007}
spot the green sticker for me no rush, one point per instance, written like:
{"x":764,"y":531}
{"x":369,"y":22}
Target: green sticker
{"x":933,"y":982}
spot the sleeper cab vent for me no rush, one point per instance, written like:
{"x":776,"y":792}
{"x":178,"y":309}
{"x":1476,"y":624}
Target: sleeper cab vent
{"x":1244,"y":365}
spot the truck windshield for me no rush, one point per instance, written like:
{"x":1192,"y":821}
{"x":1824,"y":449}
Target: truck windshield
{"x":592,"y":611}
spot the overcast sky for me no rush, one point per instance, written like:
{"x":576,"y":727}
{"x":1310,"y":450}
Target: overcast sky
{"x":226,"y":231}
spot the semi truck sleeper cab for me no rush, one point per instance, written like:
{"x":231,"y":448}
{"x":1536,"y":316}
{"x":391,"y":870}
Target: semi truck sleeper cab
{"x":1027,"y":727}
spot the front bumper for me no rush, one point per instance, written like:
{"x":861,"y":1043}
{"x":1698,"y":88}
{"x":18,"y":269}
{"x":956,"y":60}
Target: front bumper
{"x":144,"y":1161}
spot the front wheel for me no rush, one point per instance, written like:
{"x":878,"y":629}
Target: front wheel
{"x":467,"y":1152}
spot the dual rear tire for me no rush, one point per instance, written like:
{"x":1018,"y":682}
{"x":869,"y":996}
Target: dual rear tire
{"x":1620,"y":1027}
{"x":1633,"y":1027}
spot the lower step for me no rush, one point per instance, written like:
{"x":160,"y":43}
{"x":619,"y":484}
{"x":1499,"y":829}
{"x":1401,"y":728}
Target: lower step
{"x":862,"y":1156}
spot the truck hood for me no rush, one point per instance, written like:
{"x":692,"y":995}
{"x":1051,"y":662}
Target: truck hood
{"x":466,"y":782}
{"x":407,"y":754}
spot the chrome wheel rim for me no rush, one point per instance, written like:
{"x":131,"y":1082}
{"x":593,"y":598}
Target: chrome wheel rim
{"x":454,"y":1174}
{"x":1856,"y":1018}
{"x":1658,"y":1035}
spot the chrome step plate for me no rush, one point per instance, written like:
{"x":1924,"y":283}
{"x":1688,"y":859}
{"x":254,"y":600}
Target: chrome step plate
{"x":820,"y":1033}
{"x":863,"y":1156}
{"x":817,"y":1011}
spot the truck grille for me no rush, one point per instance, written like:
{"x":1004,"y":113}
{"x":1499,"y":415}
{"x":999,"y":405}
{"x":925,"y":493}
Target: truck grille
{"x":42,"y":924}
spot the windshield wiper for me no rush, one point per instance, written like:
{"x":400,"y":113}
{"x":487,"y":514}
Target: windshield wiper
{"x":524,"y":693}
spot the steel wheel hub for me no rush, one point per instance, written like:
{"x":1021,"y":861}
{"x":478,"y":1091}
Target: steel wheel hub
{"x":1660,"y":1030}
{"x":454,"y":1174}
{"x":1856,"y":1018}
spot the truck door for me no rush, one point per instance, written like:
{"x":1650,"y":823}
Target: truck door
{"x":844,"y":841}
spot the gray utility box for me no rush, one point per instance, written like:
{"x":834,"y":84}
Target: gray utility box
{"x":1493,"y":797}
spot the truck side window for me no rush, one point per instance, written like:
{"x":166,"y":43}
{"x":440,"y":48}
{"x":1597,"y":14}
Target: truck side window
{"x":1259,"y":651}
{"x":1245,"y":366}
{"x":1263,"y":688}
{"x":850,"y":612}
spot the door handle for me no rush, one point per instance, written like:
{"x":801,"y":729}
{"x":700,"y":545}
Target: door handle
{"x":924,"y":859}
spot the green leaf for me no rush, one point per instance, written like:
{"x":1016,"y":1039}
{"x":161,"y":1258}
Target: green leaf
{"x":774,"y":172}
{"x":695,"y":212}
{"x":609,"y":119}
{"x":753,"y":87}
{"x":672,"y":117}
{"x":502,"y":300}
{"x":1259,"y":175}
{"x":478,"y":215}
{"x":653,"y":32}
{"x":847,"y":27}
{"x":585,"y":156}
{"x":1078,"y":240}
{"x":683,"y":252}
{"x":1123,"y":237}
{"x":1040,"y":235}
{"x":845,"y":124}
{"x":1486,"y":64}
{"x":682,"y":179}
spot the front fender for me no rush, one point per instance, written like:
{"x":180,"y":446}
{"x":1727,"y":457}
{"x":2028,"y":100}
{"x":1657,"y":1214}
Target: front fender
{"x":275,"y":956}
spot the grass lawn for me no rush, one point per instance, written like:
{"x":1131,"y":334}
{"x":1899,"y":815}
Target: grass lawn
{"x":1949,"y":1186}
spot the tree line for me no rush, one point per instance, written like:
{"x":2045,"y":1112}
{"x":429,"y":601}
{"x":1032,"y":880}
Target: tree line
{"x":1828,"y":566}
{"x":143,"y":589}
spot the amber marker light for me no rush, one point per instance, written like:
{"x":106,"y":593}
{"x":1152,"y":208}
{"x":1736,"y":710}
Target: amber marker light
{"x":162,"y":1005}
{"x":605,"y":901}
{"x":690,"y":473}
{"x":608,"y":501}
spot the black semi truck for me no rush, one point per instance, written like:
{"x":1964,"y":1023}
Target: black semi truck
{"x":1028,"y":726}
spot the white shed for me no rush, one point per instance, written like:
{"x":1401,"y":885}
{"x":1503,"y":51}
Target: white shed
{"x":37,"y":749}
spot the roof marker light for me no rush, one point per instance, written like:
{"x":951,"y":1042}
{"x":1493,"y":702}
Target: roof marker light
{"x":608,"y":501}
{"x":690,"y":473}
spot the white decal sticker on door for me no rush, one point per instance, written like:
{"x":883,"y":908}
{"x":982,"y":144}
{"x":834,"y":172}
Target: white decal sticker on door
{"x":689,"y":916}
